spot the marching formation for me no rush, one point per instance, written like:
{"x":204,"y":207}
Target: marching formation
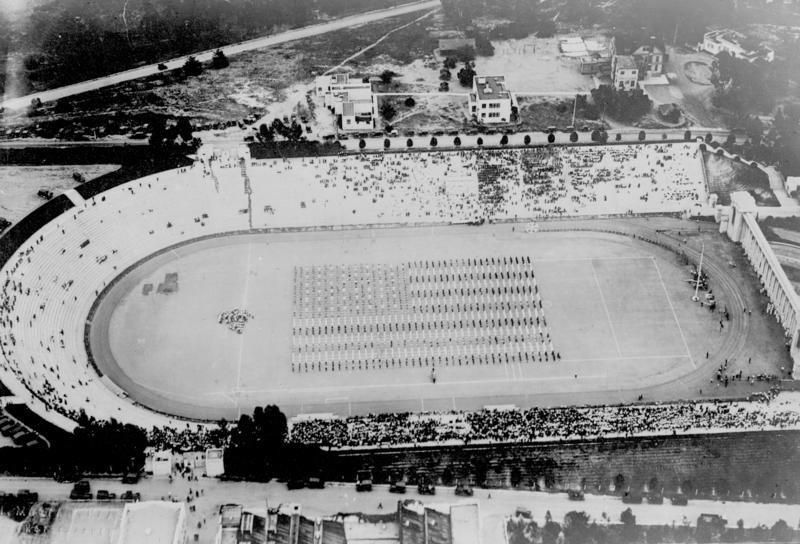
{"x":464,"y":312}
{"x":235,"y":319}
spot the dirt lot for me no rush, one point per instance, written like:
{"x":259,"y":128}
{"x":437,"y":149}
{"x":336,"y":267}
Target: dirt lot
{"x":539,"y":113}
{"x":429,"y":113}
{"x":19,"y":184}
{"x":689,"y":87}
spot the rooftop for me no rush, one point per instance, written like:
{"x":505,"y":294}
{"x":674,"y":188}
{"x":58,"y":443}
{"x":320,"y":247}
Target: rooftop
{"x":625,"y":62}
{"x":491,"y":87}
{"x":154,"y":522}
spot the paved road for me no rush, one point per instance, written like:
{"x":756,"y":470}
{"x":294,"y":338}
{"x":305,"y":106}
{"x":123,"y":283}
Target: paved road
{"x":494,"y":504}
{"x":230,"y":50}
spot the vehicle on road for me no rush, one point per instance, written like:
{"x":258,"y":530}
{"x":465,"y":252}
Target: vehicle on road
{"x":398,"y":486}
{"x":575,"y":495}
{"x":130,"y":496}
{"x":463,"y":489}
{"x":81,"y":491}
{"x":364,"y":480}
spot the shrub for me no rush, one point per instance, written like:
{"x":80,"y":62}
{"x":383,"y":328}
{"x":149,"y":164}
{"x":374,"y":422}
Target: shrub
{"x":480,"y":141}
{"x":687,"y":135}
{"x":434,"y":141}
{"x":642,"y":135}
{"x":551,"y":138}
{"x":444,"y":87}
{"x":573,"y":137}
{"x":409,"y":143}
{"x":361,"y":143}
{"x":192,"y":67}
{"x":219,"y":60}
{"x":410,"y":102}
{"x":456,"y":141}
{"x":504,"y":140}
{"x":386,"y":143}
{"x":527,"y":139}
{"x":618,"y":137}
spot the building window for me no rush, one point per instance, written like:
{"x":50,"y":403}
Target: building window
{"x":473,"y":109}
{"x":483,"y":105}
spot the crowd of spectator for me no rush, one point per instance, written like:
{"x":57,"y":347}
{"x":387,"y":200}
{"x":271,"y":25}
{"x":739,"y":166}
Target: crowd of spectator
{"x":532,"y":424}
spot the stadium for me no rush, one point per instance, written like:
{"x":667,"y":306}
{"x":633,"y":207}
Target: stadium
{"x":352,"y":284}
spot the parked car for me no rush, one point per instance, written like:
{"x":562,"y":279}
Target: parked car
{"x":463,"y":489}
{"x":679,"y":500}
{"x":295,"y":483}
{"x":631,"y":498}
{"x":364,"y":480}
{"x":315,"y":483}
{"x":162,"y":66}
{"x":398,"y":486}
{"x":131,"y":496}
{"x":105,"y":495}
{"x":575,"y":495}
{"x":131,"y":478}
{"x":81,"y":491}
{"x":655,"y":498}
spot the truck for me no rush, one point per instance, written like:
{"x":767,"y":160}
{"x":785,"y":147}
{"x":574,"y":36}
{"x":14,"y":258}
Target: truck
{"x":364,"y":480}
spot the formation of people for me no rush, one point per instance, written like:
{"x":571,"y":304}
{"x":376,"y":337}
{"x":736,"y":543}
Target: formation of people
{"x":456,"y":312}
{"x":235,"y":320}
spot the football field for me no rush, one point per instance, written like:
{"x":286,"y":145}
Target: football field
{"x":356,"y":321}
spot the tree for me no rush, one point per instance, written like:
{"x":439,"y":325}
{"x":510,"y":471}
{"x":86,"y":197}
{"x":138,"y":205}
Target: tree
{"x":219,"y":60}
{"x":527,"y":139}
{"x":361,"y":143}
{"x":444,"y":87}
{"x":466,"y":75}
{"x":504,"y":140}
{"x":450,"y":62}
{"x":551,"y":138}
{"x":642,"y":135}
{"x":456,"y":141}
{"x":158,"y":132}
{"x":265,"y":133}
{"x":445,"y":74}
{"x":480,"y":140}
{"x":386,"y":143}
{"x":410,"y":102}
{"x":595,"y":135}
{"x":629,"y":524}
{"x":576,"y":527}
{"x":183,"y":128}
{"x":709,"y":138}
{"x":192,"y":67}
{"x":687,"y":135}
{"x":387,"y":76}
{"x":409,"y":143}
{"x":618,"y":137}
{"x":434,"y":141}
{"x":387,"y":111}
{"x":573,"y":137}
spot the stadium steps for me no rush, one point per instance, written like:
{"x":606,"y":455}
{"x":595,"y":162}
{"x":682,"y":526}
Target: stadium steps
{"x":758,"y":465}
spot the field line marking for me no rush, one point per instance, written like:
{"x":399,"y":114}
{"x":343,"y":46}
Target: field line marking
{"x":605,"y":308}
{"x":242,"y":305}
{"x":674,"y":315}
{"x":407,"y":385}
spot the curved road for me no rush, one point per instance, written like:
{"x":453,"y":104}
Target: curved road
{"x":204,"y":56}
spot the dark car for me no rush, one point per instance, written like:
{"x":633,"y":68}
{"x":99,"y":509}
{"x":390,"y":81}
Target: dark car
{"x":364,"y":480}
{"x":655,"y":498}
{"x":679,"y":500}
{"x":631,"y":498}
{"x":130,"y":496}
{"x":131,"y":478}
{"x":81,"y":491}
{"x":295,"y":483}
{"x":162,"y":66}
{"x":397,"y":487}
{"x":425,"y":486}
{"x":463,"y":489}
{"x":105,"y":495}
{"x":575,"y":495}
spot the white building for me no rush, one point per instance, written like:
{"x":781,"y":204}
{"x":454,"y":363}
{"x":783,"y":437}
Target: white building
{"x":351,"y":100}
{"x":624,"y":73}
{"x":155,"y":522}
{"x":733,"y":43}
{"x":490,"y":101}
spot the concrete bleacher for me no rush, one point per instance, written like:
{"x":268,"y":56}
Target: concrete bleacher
{"x":57,"y":262}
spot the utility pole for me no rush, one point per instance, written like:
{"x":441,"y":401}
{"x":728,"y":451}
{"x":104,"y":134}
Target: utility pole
{"x":699,"y":273}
